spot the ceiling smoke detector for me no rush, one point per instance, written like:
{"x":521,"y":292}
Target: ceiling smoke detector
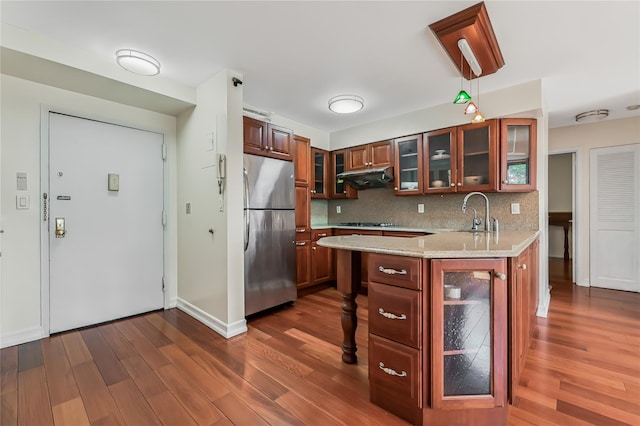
{"x":595,"y":115}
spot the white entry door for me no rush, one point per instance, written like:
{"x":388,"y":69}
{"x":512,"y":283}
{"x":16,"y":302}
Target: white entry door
{"x":615,"y":217}
{"x":106,"y":190}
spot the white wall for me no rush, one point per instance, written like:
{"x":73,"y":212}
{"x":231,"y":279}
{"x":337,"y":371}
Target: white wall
{"x":211,"y":267}
{"x":581,"y":139}
{"x":560,"y":199}
{"x":20,"y":287}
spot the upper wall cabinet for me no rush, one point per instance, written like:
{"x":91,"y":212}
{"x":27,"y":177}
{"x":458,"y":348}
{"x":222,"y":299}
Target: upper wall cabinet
{"x":267,"y":140}
{"x":378,"y":154}
{"x":477,"y":162}
{"x":408,"y":165}
{"x":518,"y":147}
{"x":319,"y":173}
{"x":339,"y":189}
{"x":440,"y":161}
{"x":301,"y":160}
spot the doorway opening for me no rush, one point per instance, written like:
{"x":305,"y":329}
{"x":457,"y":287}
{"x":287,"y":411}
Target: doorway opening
{"x":562,"y":217}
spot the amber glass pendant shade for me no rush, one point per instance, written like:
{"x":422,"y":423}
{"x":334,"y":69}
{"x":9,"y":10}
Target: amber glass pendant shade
{"x":478,"y":118}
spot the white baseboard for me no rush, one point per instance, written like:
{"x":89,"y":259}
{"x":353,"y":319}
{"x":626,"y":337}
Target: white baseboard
{"x":222,"y":328}
{"x":543,"y":304}
{"x":22,"y":336}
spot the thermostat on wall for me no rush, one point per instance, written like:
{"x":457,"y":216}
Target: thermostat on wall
{"x":114,"y":182}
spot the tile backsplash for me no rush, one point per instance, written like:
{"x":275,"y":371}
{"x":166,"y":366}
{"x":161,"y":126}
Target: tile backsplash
{"x":440,"y":211}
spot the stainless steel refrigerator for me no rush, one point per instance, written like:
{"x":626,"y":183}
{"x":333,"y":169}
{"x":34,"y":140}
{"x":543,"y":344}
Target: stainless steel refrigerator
{"x":269,"y":238}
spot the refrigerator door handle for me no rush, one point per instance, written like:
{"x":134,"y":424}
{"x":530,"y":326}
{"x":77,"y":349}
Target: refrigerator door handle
{"x":246,"y":207}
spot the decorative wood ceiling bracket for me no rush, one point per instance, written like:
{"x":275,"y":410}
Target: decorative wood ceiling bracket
{"x":472,"y":24}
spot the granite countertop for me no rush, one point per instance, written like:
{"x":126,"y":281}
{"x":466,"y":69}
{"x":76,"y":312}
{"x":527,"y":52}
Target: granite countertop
{"x":444,"y":244}
{"x":376,"y":228}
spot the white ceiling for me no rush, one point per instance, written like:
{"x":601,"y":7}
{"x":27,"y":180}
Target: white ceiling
{"x":294,"y":56}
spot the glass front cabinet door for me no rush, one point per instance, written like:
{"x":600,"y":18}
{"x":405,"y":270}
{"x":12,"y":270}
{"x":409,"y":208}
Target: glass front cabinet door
{"x":319,"y":173}
{"x":408,"y":165}
{"x":469,"y":333}
{"x":477,"y":156}
{"x":340,"y":189}
{"x":518,"y":146}
{"x":439,"y":160}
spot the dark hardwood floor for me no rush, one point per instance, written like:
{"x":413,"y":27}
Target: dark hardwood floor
{"x":166,"y":368}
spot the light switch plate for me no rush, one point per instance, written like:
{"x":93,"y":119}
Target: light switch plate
{"x":338,"y":209}
{"x":114,"y":182}
{"x":23,"y":202}
{"x":420,"y":208}
{"x":515,"y":208}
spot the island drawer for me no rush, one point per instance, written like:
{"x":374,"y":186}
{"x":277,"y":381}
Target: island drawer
{"x":395,"y":377}
{"x":395,"y":313}
{"x":395,"y":270}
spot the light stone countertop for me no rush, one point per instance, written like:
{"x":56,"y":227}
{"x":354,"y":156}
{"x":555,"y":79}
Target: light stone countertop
{"x":442,"y":245}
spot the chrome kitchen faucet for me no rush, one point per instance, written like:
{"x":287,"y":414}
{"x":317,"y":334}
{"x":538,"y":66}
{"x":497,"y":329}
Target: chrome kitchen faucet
{"x":476,"y":221}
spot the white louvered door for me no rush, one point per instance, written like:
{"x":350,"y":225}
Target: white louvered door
{"x":615,"y":217}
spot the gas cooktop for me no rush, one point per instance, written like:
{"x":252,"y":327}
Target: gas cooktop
{"x":372,"y":224}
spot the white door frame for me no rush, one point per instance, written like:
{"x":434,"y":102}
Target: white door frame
{"x":44,"y":188}
{"x":577,"y":238}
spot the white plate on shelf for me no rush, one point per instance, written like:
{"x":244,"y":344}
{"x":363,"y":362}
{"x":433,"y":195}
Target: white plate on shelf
{"x":408,"y":185}
{"x":440,"y":156}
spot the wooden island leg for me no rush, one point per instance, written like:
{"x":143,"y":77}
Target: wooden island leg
{"x":348,"y":282}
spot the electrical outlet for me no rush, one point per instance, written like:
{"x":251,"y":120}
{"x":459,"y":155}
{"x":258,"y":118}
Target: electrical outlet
{"x":420,"y":208}
{"x":515,"y":208}
{"x":338,"y":209}
{"x":188,"y":208}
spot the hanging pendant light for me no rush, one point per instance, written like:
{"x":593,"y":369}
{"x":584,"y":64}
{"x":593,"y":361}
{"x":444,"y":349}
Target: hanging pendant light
{"x":478,"y":117}
{"x":463,"y":97}
{"x":471,"y":108}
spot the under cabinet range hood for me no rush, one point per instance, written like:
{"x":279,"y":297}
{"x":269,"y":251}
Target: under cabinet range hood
{"x":377,"y":177}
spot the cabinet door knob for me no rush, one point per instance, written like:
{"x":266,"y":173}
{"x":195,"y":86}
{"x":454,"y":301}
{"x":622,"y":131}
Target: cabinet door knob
{"x":501,"y":275}
{"x":505,"y":182}
{"x":459,"y":184}
{"x":395,"y":189}
{"x":314,"y":248}
{"x":313,"y":191}
{"x":452,"y":184}
{"x":523,"y":266}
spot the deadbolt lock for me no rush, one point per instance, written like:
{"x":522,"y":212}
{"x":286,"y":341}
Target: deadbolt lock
{"x":60,"y":229}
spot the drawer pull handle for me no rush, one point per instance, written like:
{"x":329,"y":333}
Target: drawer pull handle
{"x":301,"y":229}
{"x":301,"y":243}
{"x":389,"y":271}
{"x":390,"y":315}
{"x":391,"y":371}
{"x":322,"y":235}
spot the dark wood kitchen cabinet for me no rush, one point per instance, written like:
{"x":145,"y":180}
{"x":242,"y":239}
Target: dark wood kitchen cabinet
{"x":440,"y":161}
{"x":469,"y":341}
{"x":319,"y":173}
{"x":477,"y":157}
{"x":301,"y":160}
{"x":518,"y":154}
{"x":523,"y":304}
{"x":303,"y":264}
{"x":267,"y":140}
{"x":377,"y":154}
{"x":322,"y":269}
{"x":408,"y":165}
{"x":339,"y":189}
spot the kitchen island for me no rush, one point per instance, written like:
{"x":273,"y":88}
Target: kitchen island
{"x":449,"y":320}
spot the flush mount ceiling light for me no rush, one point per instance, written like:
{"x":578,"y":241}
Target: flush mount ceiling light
{"x":595,"y":115}
{"x":346,"y":104}
{"x":138,"y":62}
